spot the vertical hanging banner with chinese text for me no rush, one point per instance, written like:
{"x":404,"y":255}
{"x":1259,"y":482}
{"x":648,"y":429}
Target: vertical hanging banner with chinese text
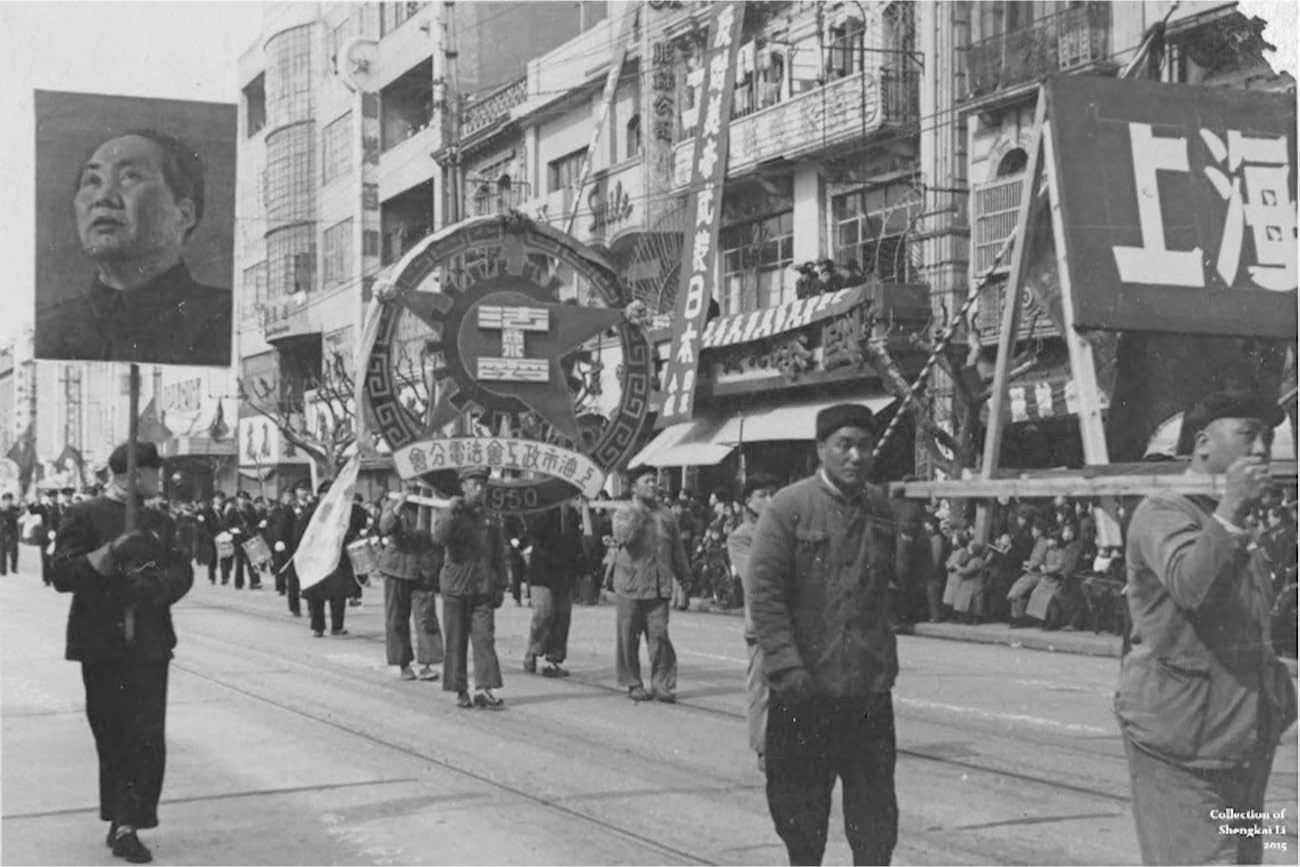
{"x":1178,"y":206}
{"x":703,"y":210}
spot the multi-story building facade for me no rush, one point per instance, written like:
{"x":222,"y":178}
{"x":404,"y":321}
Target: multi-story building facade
{"x":342,"y":107}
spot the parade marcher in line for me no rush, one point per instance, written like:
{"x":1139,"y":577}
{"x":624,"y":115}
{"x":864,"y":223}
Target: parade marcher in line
{"x":335,"y":588}
{"x":593,"y":552}
{"x":1202,"y":701}
{"x":474,"y":579}
{"x":303,"y":505}
{"x":209,"y":518}
{"x":759,"y":488}
{"x":822,"y":562}
{"x":648,"y":565}
{"x":9,"y":534}
{"x":555,"y":559}
{"x":234,"y":522}
{"x":280,"y":523}
{"x":123,"y":585}
{"x":409,"y":563}
{"x":360,"y":581}
{"x":52,"y":513}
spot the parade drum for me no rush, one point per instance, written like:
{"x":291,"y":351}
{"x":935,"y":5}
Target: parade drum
{"x":225,"y":546}
{"x":362,"y":555}
{"x":257,"y":551}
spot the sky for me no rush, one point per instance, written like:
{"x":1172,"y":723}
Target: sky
{"x":180,"y":50}
{"x":174,"y":50}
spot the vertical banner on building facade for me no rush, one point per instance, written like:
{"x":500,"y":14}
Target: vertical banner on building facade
{"x":703,"y":211}
{"x":134,"y":229}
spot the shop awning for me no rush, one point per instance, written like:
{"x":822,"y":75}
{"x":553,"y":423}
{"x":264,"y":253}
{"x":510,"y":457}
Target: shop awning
{"x":796,"y":421}
{"x":705,"y":441}
{"x":701,"y":442}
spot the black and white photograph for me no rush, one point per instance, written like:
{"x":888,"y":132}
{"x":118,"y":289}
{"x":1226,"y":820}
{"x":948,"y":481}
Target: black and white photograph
{"x":640,"y":432}
{"x":135,"y":217}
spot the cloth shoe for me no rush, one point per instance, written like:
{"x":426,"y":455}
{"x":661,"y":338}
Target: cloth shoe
{"x":128,"y":846}
{"x":485,"y":699}
{"x":316,"y":633}
{"x":667,"y":696}
{"x":637,"y":693}
{"x":338,"y":632}
{"x":427,"y":673}
{"x":554,"y":670}
{"x":463,"y":700}
{"x":406,"y":673}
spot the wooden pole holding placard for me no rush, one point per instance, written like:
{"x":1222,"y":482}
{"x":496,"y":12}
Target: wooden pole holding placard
{"x":132,"y":432}
{"x":1010,"y":319}
{"x":1083,"y":365}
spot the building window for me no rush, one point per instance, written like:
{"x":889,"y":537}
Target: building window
{"x":756,"y":260}
{"x":871,"y":228}
{"x":255,"y":285}
{"x":633,"y":137}
{"x":290,"y":261}
{"x":289,"y":77}
{"x":564,"y":172}
{"x":394,"y":15}
{"x":255,"y":106}
{"x":338,"y":253}
{"x":336,"y":153}
{"x":290,"y":190}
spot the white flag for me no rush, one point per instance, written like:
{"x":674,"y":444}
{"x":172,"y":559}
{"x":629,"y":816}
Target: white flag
{"x":322,"y":542}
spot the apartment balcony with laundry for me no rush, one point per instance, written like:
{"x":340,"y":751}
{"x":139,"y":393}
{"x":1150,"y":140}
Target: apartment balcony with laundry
{"x":1073,"y":40}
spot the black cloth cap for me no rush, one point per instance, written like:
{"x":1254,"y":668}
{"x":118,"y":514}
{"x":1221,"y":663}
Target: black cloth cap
{"x":146,"y":457}
{"x":832,"y":418}
{"x":1230,"y":403}
{"x":243,"y":495}
{"x":323,"y":487}
{"x":473,"y":473}
{"x":302,"y":485}
{"x":644,"y":470}
{"x":758,"y":482}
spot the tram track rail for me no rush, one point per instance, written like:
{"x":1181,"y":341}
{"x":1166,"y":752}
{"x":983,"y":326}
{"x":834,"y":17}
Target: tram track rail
{"x":909,"y":753}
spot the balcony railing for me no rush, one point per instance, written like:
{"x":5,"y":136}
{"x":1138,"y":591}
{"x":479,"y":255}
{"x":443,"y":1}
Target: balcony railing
{"x":1068,"y":40}
{"x":843,"y":112}
{"x":994,"y":208}
{"x":485,"y":111}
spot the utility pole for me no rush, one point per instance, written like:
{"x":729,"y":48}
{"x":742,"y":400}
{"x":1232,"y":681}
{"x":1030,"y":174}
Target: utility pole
{"x":447,"y":101}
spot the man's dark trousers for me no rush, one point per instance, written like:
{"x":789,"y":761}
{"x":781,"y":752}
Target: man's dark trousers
{"x":811,"y":744}
{"x":466,"y":620}
{"x":126,"y":703}
{"x":8,"y":553}
{"x":278,"y":561}
{"x":240,"y":562}
{"x":316,"y":611}
{"x":292,"y":590}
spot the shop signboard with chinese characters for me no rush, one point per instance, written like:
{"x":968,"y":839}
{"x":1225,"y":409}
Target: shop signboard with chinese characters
{"x":1178,"y":206}
{"x":517,"y":380}
{"x":703,"y":212}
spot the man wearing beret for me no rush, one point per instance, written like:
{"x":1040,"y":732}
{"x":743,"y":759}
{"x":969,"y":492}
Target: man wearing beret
{"x":123,"y":585}
{"x":822,"y":562}
{"x":474,"y":580}
{"x":649,"y":563}
{"x":1202,"y":701}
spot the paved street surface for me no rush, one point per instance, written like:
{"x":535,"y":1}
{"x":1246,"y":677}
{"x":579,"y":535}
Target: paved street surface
{"x":285,"y":749}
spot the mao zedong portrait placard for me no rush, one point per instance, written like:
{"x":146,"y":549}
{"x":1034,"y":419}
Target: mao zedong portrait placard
{"x":137,"y":201}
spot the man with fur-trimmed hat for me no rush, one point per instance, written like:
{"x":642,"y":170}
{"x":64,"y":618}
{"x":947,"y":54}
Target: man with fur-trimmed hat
{"x":123,"y":585}
{"x":649,"y":562}
{"x":822,"y":562}
{"x":474,"y":580}
{"x":1202,"y":700}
